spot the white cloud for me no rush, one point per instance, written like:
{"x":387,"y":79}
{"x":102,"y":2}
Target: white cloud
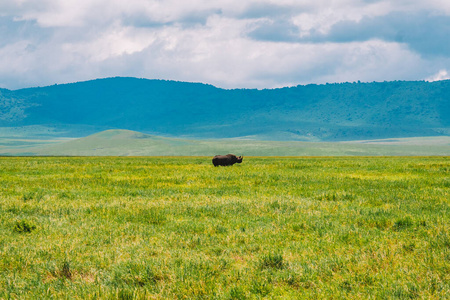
{"x":441,"y":75}
{"x":209,"y":41}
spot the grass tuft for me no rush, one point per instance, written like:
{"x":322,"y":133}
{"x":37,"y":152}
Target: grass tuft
{"x":37,"y":195}
{"x":65,"y":271}
{"x":404,"y":223}
{"x":24,"y":226}
{"x":272,"y":261}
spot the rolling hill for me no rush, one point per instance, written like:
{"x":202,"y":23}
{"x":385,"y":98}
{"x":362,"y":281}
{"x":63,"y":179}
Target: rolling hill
{"x":131,"y":143}
{"x":331,"y":112}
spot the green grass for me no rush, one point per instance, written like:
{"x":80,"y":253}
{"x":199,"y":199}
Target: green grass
{"x":270,"y":228}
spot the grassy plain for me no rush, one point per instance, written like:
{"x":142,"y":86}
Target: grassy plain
{"x":132,"y":143}
{"x":270,"y":228}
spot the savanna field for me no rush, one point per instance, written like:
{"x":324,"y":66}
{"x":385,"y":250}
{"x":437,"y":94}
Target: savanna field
{"x":269,"y":228}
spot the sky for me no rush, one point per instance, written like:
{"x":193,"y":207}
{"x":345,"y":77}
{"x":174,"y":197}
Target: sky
{"x":226,"y":43}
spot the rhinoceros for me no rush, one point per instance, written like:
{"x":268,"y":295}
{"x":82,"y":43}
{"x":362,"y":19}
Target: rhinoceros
{"x":226,"y":160}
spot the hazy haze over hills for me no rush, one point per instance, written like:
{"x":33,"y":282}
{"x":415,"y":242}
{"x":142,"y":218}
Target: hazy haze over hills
{"x":332,"y":112}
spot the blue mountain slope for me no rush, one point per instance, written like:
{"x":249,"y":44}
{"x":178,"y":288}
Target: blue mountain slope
{"x":331,"y":112}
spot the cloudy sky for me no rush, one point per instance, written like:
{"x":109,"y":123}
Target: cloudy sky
{"x":227,"y":43}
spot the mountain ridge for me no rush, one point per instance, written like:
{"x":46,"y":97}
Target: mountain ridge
{"x":328,"y":112}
